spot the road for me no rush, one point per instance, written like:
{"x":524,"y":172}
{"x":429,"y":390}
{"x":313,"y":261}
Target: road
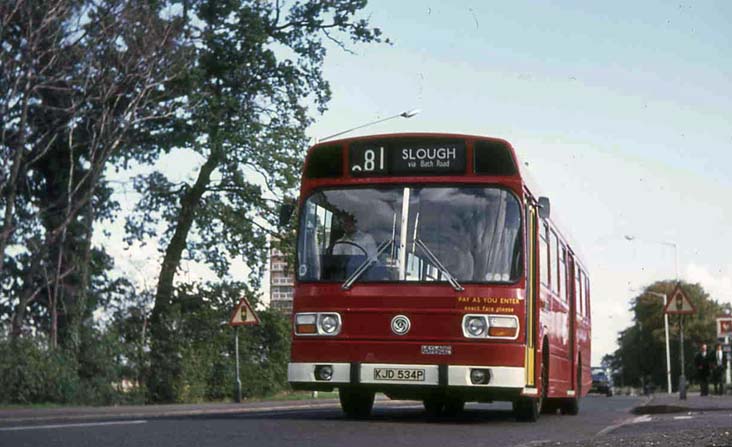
{"x":322,"y":424}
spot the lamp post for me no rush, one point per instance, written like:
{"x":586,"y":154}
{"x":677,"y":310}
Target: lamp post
{"x":668,"y":349}
{"x":406,"y":114}
{"x":682,"y":377}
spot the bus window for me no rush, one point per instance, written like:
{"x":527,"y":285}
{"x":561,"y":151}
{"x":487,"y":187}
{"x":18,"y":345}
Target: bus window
{"x":587,"y":295}
{"x":578,"y":292}
{"x":564,"y":290}
{"x":554,"y":253}
{"x":544,"y":255}
{"x":470,"y":234}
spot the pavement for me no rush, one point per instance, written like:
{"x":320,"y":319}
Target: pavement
{"x":665,"y":420}
{"x":670,"y":403}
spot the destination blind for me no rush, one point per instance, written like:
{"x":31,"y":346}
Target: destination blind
{"x":406,"y":157}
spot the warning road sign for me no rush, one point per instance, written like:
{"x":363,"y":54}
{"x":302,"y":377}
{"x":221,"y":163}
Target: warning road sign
{"x":679,"y":303}
{"x":243,"y":315}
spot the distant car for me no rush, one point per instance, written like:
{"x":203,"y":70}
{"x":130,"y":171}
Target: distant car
{"x":601,"y":381}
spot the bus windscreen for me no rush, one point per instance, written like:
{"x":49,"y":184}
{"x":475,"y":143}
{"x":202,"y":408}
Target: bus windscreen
{"x":472,"y":234}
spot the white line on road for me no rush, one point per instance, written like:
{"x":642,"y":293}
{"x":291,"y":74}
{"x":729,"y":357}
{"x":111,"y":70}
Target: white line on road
{"x":87,"y":424}
{"x":627,"y":421}
{"x":683,"y":417}
{"x":639,"y":419}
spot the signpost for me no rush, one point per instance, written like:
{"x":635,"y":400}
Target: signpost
{"x":724,"y":330}
{"x":243,"y":315}
{"x":680,"y":305}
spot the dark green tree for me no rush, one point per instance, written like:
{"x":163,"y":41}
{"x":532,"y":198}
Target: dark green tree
{"x":641,"y":356}
{"x":255,"y":72}
{"x":76,"y":78}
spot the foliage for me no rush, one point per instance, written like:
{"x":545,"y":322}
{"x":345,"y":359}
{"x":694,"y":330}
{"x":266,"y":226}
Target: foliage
{"x":92,"y":85}
{"x":31,"y":373}
{"x":243,"y":108}
{"x":641,"y":356}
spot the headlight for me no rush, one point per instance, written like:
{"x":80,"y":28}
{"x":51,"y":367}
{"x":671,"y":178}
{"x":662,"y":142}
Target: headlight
{"x":305,"y":324}
{"x":317,"y":323}
{"x":503,"y":326}
{"x":474,"y":326}
{"x":491,"y":326}
{"x":329,"y":324}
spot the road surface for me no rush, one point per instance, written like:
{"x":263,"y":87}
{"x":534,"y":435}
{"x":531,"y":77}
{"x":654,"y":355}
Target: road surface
{"x":321,"y":424}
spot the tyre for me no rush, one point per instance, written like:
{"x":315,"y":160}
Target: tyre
{"x":356,"y":403}
{"x":527,"y":409}
{"x":453,"y":407}
{"x":433,"y":406}
{"x":571,"y":406}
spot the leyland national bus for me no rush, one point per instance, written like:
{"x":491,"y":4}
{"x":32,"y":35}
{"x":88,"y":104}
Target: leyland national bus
{"x":429,"y":268}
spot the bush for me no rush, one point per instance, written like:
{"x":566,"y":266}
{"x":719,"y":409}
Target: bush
{"x":30,"y":373}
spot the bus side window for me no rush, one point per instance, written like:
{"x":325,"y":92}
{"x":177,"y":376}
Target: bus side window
{"x":554,"y":265}
{"x":578,"y":292}
{"x":544,"y":255}
{"x":564,"y":290}
{"x":587,"y":295}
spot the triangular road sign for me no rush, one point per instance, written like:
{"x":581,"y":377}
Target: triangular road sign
{"x":679,"y":303}
{"x":243,"y":315}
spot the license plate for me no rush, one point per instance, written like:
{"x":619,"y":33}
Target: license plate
{"x":399,"y":374}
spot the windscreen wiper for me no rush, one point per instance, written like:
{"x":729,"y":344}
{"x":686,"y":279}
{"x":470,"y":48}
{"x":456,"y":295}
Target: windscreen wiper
{"x":451,"y":279}
{"x":366,"y":264}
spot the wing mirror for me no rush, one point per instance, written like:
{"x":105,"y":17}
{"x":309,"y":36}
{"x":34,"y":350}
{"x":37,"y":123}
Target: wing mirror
{"x":544,"y":207}
{"x":286,"y":210}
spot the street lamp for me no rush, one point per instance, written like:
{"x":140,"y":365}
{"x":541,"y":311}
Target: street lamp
{"x":407,"y":114}
{"x":682,"y":377}
{"x":668,"y":350}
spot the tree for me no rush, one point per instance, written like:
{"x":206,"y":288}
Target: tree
{"x":255,"y":72}
{"x":76,"y":78}
{"x":641,"y":356}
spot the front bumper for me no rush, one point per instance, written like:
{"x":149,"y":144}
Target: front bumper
{"x":502,"y":378}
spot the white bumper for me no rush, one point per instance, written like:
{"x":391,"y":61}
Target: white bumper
{"x":457,"y":375}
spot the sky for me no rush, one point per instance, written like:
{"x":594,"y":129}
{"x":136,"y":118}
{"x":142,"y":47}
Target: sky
{"x":622,"y":110}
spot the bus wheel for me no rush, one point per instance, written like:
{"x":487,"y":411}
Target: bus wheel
{"x":356,"y":403}
{"x":527,"y":409}
{"x":453,"y":407}
{"x":571,"y":406}
{"x":548,"y":406}
{"x":433,"y":406}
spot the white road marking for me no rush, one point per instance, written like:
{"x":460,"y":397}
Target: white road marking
{"x":683,"y":417}
{"x":538,"y":442}
{"x":87,"y":424}
{"x":627,"y":421}
{"x":639,"y":419}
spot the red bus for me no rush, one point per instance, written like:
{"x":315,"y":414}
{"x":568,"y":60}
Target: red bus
{"x":428,"y":268}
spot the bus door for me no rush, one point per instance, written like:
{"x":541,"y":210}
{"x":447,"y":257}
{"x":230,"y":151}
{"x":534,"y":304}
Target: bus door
{"x":572,"y":317}
{"x":532,"y":291}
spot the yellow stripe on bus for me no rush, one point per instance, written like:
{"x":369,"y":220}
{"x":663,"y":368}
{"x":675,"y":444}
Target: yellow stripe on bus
{"x":530,"y":293}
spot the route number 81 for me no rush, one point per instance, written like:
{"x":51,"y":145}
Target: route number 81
{"x":369,"y":159}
